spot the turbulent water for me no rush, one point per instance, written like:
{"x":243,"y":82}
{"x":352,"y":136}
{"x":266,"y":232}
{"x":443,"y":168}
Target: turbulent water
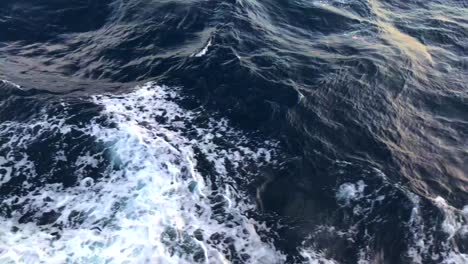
{"x":240,"y":131}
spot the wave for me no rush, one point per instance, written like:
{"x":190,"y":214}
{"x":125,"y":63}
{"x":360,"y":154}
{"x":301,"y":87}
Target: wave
{"x":346,"y":139}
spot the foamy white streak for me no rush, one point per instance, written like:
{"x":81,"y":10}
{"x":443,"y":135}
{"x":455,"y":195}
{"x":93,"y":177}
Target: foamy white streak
{"x":204,"y":50}
{"x":146,"y":212}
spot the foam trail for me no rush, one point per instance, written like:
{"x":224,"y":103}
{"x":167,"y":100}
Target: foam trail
{"x":152,"y":205}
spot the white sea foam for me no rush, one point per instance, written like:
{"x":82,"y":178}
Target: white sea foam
{"x":311,"y":256}
{"x":422,"y":243}
{"x":155,"y":207}
{"x":464,"y":230}
{"x":204,"y":50}
{"x":423,"y":236}
{"x":6,"y":82}
{"x":350,"y":191}
{"x":451,"y":224}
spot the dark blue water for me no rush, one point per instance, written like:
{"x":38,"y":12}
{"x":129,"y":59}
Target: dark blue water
{"x":162,"y":131}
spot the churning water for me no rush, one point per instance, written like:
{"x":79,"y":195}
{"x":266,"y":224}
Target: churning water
{"x":240,"y":131}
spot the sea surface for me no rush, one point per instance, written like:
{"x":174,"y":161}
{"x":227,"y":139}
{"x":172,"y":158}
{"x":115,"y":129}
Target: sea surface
{"x":234,"y":131}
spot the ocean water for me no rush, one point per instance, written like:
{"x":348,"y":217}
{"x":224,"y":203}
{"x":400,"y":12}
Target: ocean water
{"x":239,"y":131}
